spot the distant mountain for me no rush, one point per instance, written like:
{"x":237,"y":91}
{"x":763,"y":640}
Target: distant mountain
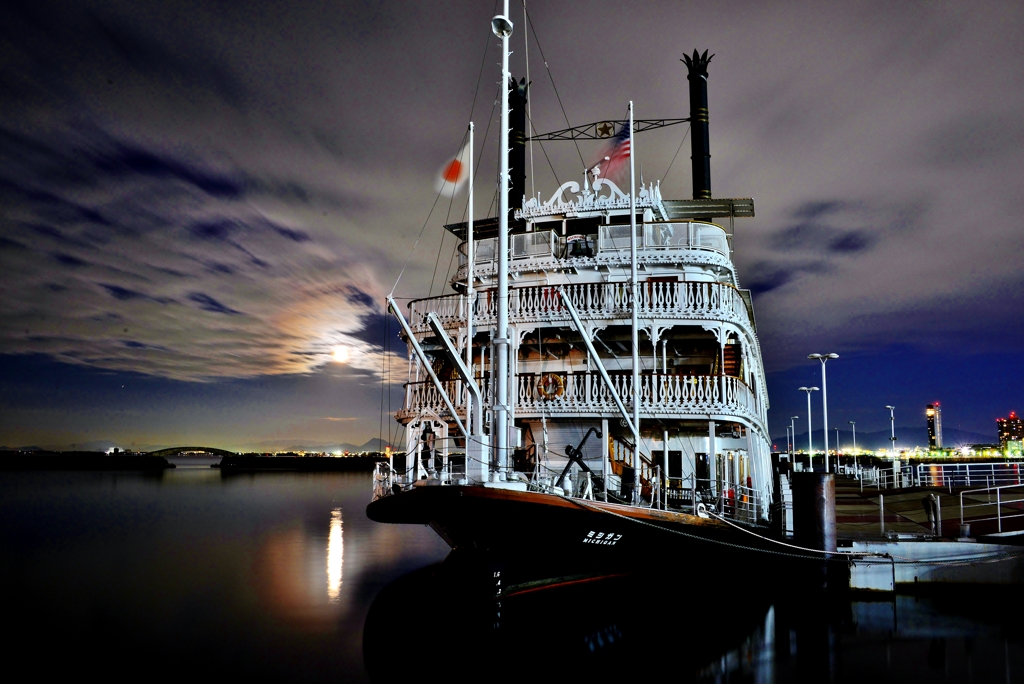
{"x":906,"y":438}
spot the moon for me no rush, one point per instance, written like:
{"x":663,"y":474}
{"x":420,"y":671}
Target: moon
{"x":340,"y":354}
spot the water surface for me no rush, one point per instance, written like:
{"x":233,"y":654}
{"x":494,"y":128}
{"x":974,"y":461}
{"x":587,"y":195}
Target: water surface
{"x":280,"y":576}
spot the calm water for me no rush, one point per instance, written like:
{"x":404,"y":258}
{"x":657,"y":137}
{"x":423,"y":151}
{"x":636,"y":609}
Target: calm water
{"x":281,"y":577}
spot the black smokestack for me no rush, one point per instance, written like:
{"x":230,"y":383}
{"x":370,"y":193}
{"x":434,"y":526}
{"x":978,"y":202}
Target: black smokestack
{"x":700,"y":146}
{"x":517,"y":141}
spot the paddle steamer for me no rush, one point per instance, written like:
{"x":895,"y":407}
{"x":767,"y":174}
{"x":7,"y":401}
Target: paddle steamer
{"x":593,"y":383}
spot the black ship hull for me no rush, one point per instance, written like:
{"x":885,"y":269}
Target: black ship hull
{"x":513,"y":541}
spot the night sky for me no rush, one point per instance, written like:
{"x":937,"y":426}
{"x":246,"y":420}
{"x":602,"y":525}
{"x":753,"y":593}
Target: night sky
{"x":200,"y":201}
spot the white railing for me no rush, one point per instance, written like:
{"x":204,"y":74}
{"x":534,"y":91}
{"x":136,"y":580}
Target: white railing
{"x":885,"y":478}
{"x":952,"y":475}
{"x":741,"y":503}
{"x":585,"y":393}
{"x":423,"y":395}
{"x":985,"y":498}
{"x":659,"y":393}
{"x":680,"y":300}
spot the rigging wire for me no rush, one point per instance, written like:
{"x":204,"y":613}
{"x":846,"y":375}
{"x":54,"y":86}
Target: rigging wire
{"x":529,"y":103}
{"x":546,"y":157}
{"x":383,"y":374}
{"x":476,"y":94}
{"x":681,"y":142}
{"x":529,"y":21}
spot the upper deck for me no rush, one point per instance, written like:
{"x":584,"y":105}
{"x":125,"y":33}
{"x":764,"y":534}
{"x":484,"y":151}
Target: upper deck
{"x":582,"y":235}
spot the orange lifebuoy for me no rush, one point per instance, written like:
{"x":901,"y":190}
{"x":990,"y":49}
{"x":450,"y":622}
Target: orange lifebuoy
{"x":551,"y":385}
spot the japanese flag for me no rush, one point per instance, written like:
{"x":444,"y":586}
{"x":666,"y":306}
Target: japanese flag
{"x":453,"y":174}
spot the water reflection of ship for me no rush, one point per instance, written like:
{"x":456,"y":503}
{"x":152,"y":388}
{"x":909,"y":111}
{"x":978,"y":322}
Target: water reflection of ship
{"x":590,"y":629}
{"x":715,"y":632}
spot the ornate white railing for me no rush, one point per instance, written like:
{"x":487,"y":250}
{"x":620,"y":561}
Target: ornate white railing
{"x":595,"y":301}
{"x":585,"y":394}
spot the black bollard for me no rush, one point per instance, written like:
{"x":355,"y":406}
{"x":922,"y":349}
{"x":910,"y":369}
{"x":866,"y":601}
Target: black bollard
{"x":814,"y":510}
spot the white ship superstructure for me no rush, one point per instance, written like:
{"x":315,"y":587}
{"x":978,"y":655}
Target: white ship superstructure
{"x":631,"y":359}
{"x":702,"y":388}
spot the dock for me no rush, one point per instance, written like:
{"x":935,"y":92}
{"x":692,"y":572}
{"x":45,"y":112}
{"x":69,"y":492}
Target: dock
{"x":970,"y":536}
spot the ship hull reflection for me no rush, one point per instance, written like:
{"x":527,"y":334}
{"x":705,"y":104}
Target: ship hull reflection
{"x":609,"y":627}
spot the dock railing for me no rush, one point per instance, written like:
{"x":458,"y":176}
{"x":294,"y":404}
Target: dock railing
{"x":1011,"y":496}
{"x":956,"y":475}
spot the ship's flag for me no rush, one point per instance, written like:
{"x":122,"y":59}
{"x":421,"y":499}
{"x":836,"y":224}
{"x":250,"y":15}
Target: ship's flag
{"x":614,"y":159}
{"x":454,"y":174}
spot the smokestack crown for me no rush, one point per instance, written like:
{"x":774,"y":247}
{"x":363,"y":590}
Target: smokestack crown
{"x":697,"y":64}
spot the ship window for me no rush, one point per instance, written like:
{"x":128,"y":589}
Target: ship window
{"x":525,"y":245}
{"x":486,"y":249}
{"x":712,"y":237}
{"x":616,"y":237}
{"x":666,"y":235}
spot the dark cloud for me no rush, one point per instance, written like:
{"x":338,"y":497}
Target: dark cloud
{"x":765,"y":278}
{"x":208,"y":303}
{"x":122,"y":293}
{"x":69,"y":260}
{"x":292,"y":234}
{"x":852,"y":241}
{"x":218,"y":229}
{"x":381,"y":330}
{"x":975,"y":139}
{"x":357,"y":296}
{"x":130,"y":161}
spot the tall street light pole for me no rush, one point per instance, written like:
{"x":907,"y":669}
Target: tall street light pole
{"x":792,"y":427}
{"x":810,"y":439}
{"x":824,"y":400}
{"x":892,"y":430}
{"x":854,"y":425}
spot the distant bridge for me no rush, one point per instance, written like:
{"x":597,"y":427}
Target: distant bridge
{"x":175,"y":451}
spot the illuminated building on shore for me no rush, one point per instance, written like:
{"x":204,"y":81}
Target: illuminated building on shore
{"x":1011,"y":429}
{"x":934,"y":414}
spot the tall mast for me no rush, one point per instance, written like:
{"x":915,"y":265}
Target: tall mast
{"x":475,"y":428}
{"x":502,"y":27}
{"x":634,"y":286}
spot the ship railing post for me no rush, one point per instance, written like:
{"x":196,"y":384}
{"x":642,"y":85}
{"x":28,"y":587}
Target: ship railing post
{"x":881,"y":512}
{"x":656,"y":484}
{"x":604,"y":458}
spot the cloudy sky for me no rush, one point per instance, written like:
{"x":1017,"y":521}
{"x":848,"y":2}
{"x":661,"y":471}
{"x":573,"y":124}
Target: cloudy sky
{"x":200,"y":201}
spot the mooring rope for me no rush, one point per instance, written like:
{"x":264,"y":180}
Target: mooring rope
{"x":868,"y":556}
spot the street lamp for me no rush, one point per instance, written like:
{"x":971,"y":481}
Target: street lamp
{"x":792,"y":427}
{"x":854,"y":424}
{"x":810,"y":442}
{"x":892,"y":430}
{"x":824,"y":399}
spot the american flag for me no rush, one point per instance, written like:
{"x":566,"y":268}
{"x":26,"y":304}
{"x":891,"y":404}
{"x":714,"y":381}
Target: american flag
{"x":614,"y":159}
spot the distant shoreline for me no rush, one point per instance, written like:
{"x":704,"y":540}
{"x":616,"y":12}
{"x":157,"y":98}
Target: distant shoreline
{"x":81,"y":460}
{"x":247,"y":463}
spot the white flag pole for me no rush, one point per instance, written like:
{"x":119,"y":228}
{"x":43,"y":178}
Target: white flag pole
{"x":634,"y":305}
